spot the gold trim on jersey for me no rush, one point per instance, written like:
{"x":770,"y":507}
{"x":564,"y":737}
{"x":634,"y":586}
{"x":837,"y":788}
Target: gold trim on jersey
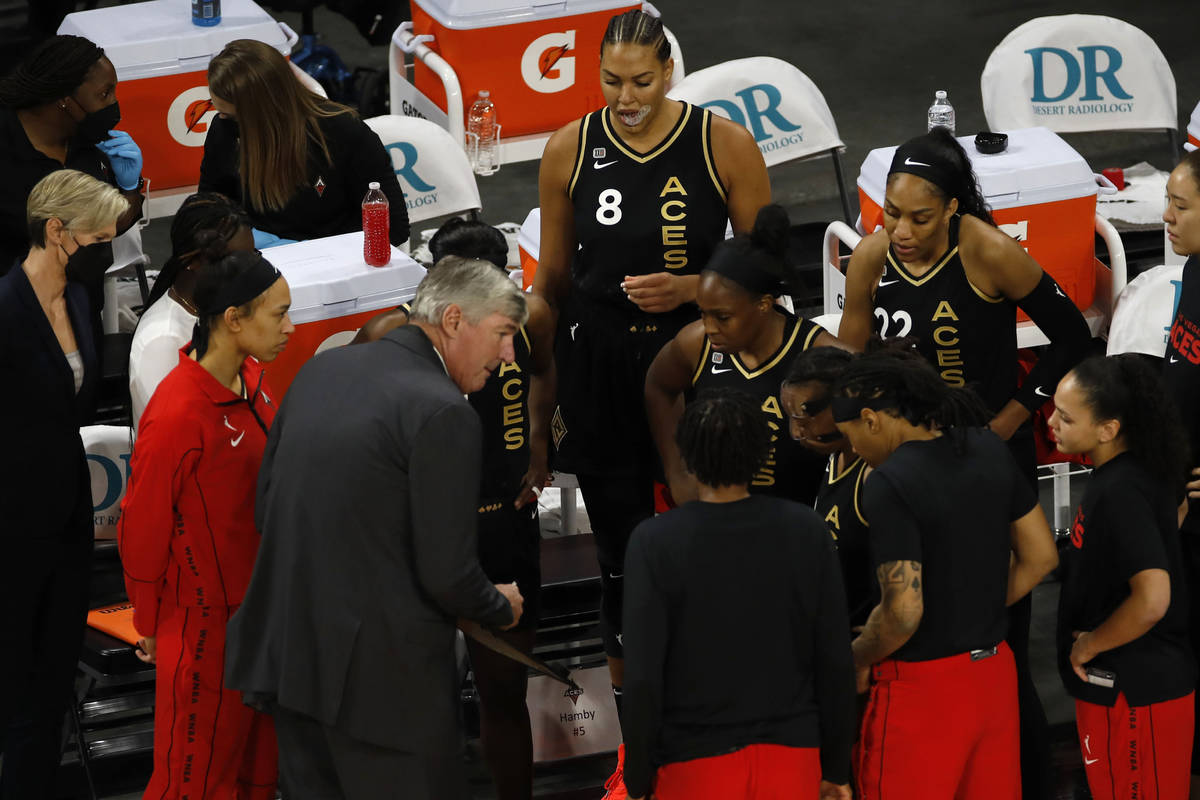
{"x":903,"y":272}
{"x":813,"y":333}
{"x":987,"y":298}
{"x":831,"y":479}
{"x":525,"y":336}
{"x":579,"y":159}
{"x":779,"y":354}
{"x":662,"y":146}
{"x":706,"y":145}
{"x":862,"y":472}
{"x":703,"y":360}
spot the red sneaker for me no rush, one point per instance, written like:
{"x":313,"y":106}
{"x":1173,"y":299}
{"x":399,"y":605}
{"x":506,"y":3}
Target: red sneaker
{"x":614,"y":787}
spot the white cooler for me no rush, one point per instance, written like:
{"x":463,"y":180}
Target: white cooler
{"x":333,"y":293}
{"x":162,"y":64}
{"x":1193,"y":129}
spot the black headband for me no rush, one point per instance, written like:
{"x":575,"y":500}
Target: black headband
{"x":747,"y":265}
{"x":246,"y":285}
{"x":848,"y":409}
{"x":919,"y":157}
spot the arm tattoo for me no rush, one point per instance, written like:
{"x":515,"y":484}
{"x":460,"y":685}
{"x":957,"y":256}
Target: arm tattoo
{"x":895,"y":619}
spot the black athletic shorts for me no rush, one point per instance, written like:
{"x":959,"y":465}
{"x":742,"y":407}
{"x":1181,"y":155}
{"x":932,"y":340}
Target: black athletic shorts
{"x":602,"y":356}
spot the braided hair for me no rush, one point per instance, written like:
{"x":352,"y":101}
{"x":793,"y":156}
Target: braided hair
{"x":638,"y":27}
{"x":905,"y":385}
{"x":1125,"y":388}
{"x":200,"y":233}
{"x":723,"y":438}
{"x":55,"y":69}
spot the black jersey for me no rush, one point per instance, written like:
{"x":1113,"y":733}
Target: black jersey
{"x":641,"y":213}
{"x":1125,"y":524}
{"x":948,"y":503}
{"x":791,"y":471}
{"x":1181,"y":364}
{"x":839,"y":503}
{"x":969,"y":337}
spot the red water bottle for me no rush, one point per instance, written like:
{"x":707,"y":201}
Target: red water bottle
{"x":377,"y":248}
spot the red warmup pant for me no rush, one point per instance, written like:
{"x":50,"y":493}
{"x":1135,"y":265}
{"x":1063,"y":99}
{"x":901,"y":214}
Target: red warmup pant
{"x":757,"y":772}
{"x":1139,"y":753}
{"x":208,"y":745}
{"x":945,"y":729}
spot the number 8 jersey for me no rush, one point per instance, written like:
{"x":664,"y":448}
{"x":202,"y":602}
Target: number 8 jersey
{"x":641,"y":213}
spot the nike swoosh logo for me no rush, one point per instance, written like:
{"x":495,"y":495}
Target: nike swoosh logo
{"x":1038,"y":391}
{"x":886,"y":283}
{"x":1059,"y":292}
{"x":615,"y":576}
{"x":227,"y":425}
{"x":1089,"y":761}
{"x":1172,"y":359}
{"x":909,"y":162}
{"x":238,"y":440}
{"x":716,"y":371}
{"x":598,"y":165}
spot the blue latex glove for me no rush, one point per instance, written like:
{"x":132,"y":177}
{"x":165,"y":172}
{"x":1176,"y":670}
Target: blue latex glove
{"x":125,"y":157}
{"x":264,"y":239}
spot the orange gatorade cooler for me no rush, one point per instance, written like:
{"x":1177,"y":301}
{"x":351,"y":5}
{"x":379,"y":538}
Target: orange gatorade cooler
{"x":539,"y":60}
{"x":333,"y":293}
{"x":1040,"y":190}
{"x":1193,"y":129}
{"x":162,"y":63}
{"x":529,"y":245}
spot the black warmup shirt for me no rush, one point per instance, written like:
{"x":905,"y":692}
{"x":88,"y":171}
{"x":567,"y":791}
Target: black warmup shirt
{"x":1181,"y":367}
{"x":641,"y":213}
{"x":330,"y":202}
{"x":791,"y":471}
{"x":23,"y":165}
{"x":1125,"y":524}
{"x":839,"y":503}
{"x":969,"y":337}
{"x":735,"y":634}
{"x":951,"y":512}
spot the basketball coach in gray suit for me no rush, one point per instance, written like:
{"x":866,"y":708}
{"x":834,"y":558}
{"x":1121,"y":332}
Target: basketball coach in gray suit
{"x":366,"y":503}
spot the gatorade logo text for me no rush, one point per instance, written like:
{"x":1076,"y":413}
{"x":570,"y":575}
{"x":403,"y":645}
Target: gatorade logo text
{"x":417,"y":191}
{"x":1058,"y":74}
{"x":755,"y":107}
{"x":545,"y":65}
{"x":189,"y":115}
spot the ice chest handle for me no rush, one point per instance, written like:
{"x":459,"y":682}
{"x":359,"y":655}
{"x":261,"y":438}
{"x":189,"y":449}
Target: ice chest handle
{"x":1105,"y":185}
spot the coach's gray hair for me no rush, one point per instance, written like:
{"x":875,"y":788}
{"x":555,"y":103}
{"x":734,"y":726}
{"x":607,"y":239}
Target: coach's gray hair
{"x":477,"y":287}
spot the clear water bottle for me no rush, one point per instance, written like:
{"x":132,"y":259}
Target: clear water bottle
{"x":941,"y":113}
{"x":481,"y":121}
{"x":377,"y":247}
{"x":206,"y":12}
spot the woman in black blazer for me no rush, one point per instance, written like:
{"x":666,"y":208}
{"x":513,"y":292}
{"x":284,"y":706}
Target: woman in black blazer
{"x":48,"y":378}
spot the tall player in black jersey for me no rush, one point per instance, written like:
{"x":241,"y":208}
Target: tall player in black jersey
{"x":956,"y":535}
{"x":634,"y":198}
{"x":1123,"y":649}
{"x":1181,"y":369}
{"x":806,"y":394}
{"x":514,"y":406}
{"x":942,"y":272}
{"x":745,"y":341}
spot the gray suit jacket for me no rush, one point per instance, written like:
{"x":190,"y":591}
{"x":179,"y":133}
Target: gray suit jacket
{"x":366,"y":503}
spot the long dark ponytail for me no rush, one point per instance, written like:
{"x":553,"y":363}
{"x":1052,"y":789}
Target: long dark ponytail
{"x":1125,"y":388}
{"x":200,"y":233}
{"x":940,"y":159}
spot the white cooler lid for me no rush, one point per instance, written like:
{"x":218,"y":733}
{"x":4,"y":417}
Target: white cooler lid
{"x":471,"y":14}
{"x":328,"y":277}
{"x":1037,"y":167}
{"x":157,"y":37}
